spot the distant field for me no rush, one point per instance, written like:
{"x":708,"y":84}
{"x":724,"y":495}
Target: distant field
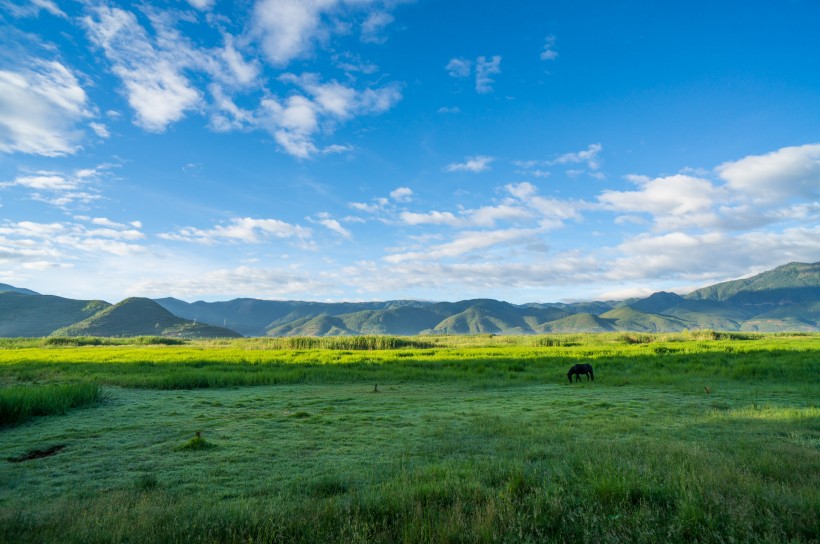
{"x":436,"y":439}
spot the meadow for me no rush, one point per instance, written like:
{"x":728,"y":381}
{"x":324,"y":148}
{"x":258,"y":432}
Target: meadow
{"x":686,"y":437}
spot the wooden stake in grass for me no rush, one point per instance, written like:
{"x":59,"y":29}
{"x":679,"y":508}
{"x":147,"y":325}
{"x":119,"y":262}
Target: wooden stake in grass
{"x":196,"y":443}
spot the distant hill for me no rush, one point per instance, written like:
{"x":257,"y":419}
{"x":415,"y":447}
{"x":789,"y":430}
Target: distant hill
{"x":6,"y":288}
{"x":790,"y":283}
{"x":39,"y":315}
{"x":786,"y":298}
{"x":140,"y":317}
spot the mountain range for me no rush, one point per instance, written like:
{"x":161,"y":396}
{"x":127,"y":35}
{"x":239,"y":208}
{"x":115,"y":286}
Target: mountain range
{"x":786,"y":298}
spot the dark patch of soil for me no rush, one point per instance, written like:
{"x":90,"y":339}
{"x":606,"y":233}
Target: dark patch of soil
{"x":37,"y":454}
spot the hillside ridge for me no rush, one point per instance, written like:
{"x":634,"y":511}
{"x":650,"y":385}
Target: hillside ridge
{"x":786,"y":298}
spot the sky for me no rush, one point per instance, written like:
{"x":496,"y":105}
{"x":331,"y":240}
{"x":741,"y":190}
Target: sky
{"x":351,"y":150}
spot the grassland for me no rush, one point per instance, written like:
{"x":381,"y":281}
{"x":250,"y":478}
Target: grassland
{"x":437,"y":439}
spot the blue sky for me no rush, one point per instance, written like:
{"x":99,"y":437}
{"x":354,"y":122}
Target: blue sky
{"x":388,"y":149}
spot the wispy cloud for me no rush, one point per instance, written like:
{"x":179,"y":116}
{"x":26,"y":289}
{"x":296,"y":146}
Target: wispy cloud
{"x":484,"y":70}
{"x":458,"y":67}
{"x":587,"y":157}
{"x":40,"y":109}
{"x":331,"y":224}
{"x":64,"y":190}
{"x":549,"y":52}
{"x":155,"y":85}
{"x":35,"y":245}
{"x":241,"y":230}
{"x":474,"y":164}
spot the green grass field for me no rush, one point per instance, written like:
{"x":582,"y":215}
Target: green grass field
{"x":466,"y":439}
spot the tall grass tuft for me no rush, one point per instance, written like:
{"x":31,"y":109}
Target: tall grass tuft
{"x":20,"y":403}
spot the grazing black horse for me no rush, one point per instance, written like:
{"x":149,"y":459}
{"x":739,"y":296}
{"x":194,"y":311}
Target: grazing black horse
{"x":577,"y":370}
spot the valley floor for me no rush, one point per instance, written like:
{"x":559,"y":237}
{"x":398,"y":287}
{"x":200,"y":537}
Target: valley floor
{"x":427,"y":461}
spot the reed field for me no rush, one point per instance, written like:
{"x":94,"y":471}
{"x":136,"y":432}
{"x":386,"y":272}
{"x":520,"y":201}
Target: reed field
{"x":687,"y":437}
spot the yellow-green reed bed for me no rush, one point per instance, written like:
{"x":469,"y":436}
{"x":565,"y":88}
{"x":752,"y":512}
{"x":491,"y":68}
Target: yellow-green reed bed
{"x":478,"y":360}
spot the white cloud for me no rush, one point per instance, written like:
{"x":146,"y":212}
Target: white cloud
{"x":61,"y":189}
{"x":32,"y":8}
{"x":337,"y":148}
{"x":202,"y":5}
{"x":154,"y":83}
{"x":245,"y":230}
{"x":475,"y":164}
{"x":271,"y":283}
{"x":402,"y":194}
{"x":373,"y":26}
{"x":290,"y":29}
{"x":484,"y":69}
{"x":40,"y":108}
{"x":677,"y":195}
{"x":100,"y":130}
{"x":458,"y":67}
{"x":588,"y":156}
{"x":782,"y":174}
{"x":706,"y":256}
{"x":295,"y":121}
{"x":463,"y":243}
{"x":549,"y":52}
{"x":31,"y":245}
{"x":331,"y":224}
{"x":431,"y":218}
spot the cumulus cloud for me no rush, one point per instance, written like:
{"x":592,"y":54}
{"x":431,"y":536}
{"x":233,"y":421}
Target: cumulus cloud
{"x":290,"y":29}
{"x":40,"y":108}
{"x":675,"y":201}
{"x":402,"y":194}
{"x":474,"y":164}
{"x":787,"y":172}
{"x":296,"y":120}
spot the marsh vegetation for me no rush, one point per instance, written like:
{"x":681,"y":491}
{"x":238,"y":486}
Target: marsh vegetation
{"x":687,"y":437}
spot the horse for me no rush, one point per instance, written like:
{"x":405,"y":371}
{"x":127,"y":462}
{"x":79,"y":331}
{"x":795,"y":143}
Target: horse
{"x":579,"y":369}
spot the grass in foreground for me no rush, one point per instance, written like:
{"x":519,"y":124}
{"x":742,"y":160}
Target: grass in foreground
{"x":460,"y":444}
{"x":21,"y":403}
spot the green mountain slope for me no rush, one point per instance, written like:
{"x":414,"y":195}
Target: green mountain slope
{"x":140,"y":317}
{"x":577,"y":323}
{"x":793,"y":282}
{"x":322,"y":325}
{"x":6,"y":288}
{"x":40,"y":315}
{"x":629,"y":319}
{"x":785,"y":298}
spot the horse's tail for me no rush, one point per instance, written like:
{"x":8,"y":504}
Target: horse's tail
{"x":591,"y":374}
